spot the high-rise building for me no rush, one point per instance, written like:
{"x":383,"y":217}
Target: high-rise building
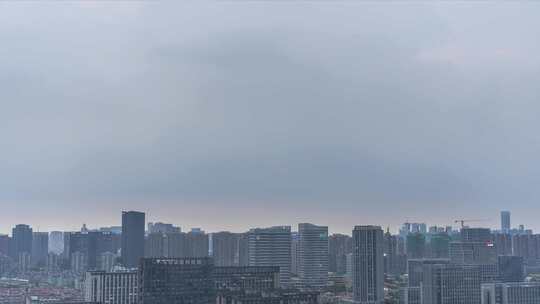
{"x":511,"y":293}
{"x":177,"y":244}
{"x":79,"y":262}
{"x":482,"y":235}
{"x":225,"y":248}
{"x":511,"y":268}
{"x":415,"y":270}
{"x":505,"y":221}
{"x":416,"y":245}
{"x":24,"y":260}
{"x":155,"y":245}
{"x":526,"y":246}
{"x":390,"y":251}
{"x":339,"y":245}
{"x":4,"y":244}
{"x":455,"y":284}
{"x":243,"y":249}
{"x":313,"y":255}
{"x":176,"y":281}
{"x":66,"y":254}
{"x":56,"y":242}
{"x":21,"y":240}
{"x":174,"y":245}
{"x":438,"y":245}
{"x":197,"y":244}
{"x":111,"y":287}
{"x":272,"y":247}
{"x":106,"y":261}
{"x":90,"y":243}
{"x":410,"y":295}
{"x":295,"y":241}
{"x":163,"y":228}
{"x":502,"y":243}
{"x":40,"y":248}
{"x":368,"y":265}
{"x":472,"y":253}
{"x":132,"y":238}
{"x":53,"y":262}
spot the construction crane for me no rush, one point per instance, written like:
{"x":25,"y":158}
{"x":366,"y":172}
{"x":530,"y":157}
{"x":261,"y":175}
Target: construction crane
{"x":462,"y":222}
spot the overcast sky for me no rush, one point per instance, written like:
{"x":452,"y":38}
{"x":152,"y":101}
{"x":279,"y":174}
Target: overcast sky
{"x":230,"y":115}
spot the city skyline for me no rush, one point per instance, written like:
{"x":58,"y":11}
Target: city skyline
{"x":269,"y":152}
{"x":411,"y":226}
{"x":233,"y":115}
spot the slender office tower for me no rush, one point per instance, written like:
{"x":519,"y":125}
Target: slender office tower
{"x":505,"y":221}
{"x":368,"y":265}
{"x":313,"y":255}
{"x":132,"y":238}
{"x":272,"y":247}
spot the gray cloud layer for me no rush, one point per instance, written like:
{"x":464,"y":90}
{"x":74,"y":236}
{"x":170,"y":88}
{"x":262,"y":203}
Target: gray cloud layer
{"x":378,"y":112}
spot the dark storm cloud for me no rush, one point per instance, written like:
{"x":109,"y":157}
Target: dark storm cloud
{"x":362,"y":106}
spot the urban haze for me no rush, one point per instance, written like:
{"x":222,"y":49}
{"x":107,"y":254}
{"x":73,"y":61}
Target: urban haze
{"x":375,"y":145}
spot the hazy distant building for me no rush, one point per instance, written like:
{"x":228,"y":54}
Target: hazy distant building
{"x":439,"y":245}
{"x":21,"y":240}
{"x":349,"y":266}
{"x":272,"y":247}
{"x":295,"y":242}
{"x":53,"y":262}
{"x":117,"y":230}
{"x":511,"y":293}
{"x":79,"y":262}
{"x":174,"y":245}
{"x":40,"y":248}
{"x":225,"y":248}
{"x":197,"y":244}
{"x":368,"y":265}
{"x":390,"y":253}
{"x":472,"y":253}
{"x":527,"y":246}
{"x":91,"y":244}
{"x":416,"y":245}
{"x":132,"y":238}
{"x":180,"y":245}
{"x":24,"y":261}
{"x":502,"y":243}
{"x":111,"y":287}
{"x":482,"y":235}
{"x":4,"y":244}
{"x":176,"y":281}
{"x":106,"y":261}
{"x":511,"y":268}
{"x":339,"y":245}
{"x":56,"y":242}
{"x":313,"y":255}
{"x":505,"y":221}
{"x":155,"y":245}
{"x":415,"y":270}
{"x":243,"y":249}
{"x":163,"y":228}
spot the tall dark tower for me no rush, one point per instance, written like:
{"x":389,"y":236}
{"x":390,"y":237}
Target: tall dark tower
{"x":22,"y":240}
{"x":132,"y":238}
{"x":368,"y":265}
